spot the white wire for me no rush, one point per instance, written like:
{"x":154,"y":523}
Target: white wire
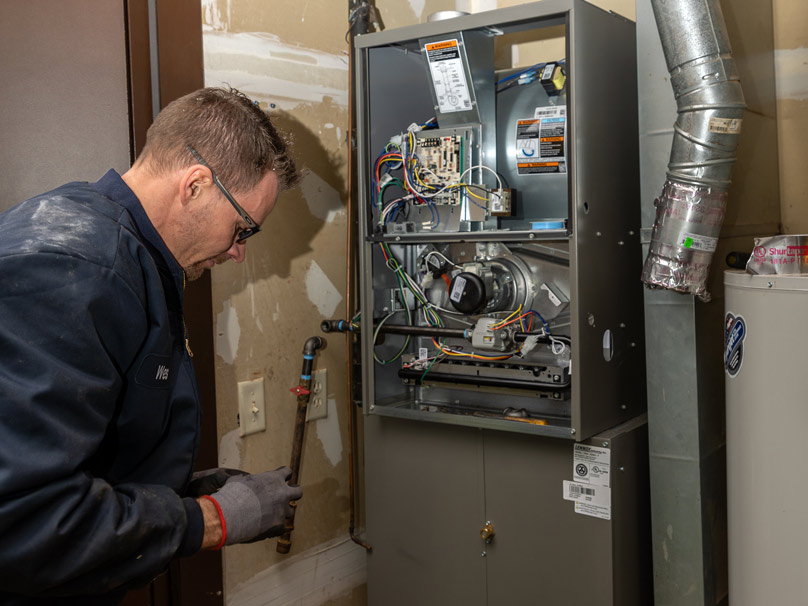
{"x":438,"y":254}
{"x":470,"y":168}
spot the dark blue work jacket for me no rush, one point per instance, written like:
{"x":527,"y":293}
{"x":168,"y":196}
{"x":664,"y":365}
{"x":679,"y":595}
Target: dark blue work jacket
{"x":99,"y":409}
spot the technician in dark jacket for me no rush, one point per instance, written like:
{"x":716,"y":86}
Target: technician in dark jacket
{"x":99,"y":410}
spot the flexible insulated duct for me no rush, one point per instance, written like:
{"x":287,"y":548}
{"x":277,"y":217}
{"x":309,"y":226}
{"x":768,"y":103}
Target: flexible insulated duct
{"x":710,"y":105}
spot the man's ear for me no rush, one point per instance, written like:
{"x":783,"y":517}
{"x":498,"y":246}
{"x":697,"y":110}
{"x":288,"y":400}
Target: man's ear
{"x":193,"y":183}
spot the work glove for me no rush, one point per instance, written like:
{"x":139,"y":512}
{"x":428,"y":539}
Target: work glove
{"x":210,"y":480}
{"x":256,"y":506}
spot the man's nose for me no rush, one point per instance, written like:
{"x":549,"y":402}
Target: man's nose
{"x":237,"y":252}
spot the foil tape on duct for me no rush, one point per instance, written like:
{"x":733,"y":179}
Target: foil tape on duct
{"x":710,"y":107}
{"x":688,"y":221}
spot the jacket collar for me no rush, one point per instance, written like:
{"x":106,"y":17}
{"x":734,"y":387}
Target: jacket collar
{"x":113,"y":187}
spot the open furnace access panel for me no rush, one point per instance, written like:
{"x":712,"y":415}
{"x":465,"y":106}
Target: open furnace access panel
{"x":499,"y":221}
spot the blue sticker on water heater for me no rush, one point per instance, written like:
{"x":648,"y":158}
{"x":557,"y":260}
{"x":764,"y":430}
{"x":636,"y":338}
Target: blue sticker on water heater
{"x":734,"y":335}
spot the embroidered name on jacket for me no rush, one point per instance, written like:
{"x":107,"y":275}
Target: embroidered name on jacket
{"x":154,"y":371}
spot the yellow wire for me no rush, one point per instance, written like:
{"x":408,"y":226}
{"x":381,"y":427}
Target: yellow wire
{"x":500,"y":323}
{"x":471,"y":193}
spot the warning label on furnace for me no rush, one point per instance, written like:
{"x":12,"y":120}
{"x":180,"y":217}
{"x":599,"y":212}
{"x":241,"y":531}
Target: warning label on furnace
{"x":448,"y":76}
{"x":541,"y":142}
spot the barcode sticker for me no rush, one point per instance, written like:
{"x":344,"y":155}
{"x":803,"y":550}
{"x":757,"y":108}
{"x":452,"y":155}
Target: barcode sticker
{"x":725,"y":126}
{"x":595,"y":501}
{"x":698,"y":242}
{"x":457,"y":289}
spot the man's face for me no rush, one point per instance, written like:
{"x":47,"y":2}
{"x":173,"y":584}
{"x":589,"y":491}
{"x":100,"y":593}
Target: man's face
{"x":212,"y":237}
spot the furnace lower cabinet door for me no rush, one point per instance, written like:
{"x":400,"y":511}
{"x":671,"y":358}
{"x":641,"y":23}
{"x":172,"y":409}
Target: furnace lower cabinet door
{"x":432,"y":488}
{"x":542,"y":553}
{"x":425,"y":508}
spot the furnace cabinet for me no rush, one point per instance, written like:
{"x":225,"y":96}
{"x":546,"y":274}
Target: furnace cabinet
{"x":501,"y":309}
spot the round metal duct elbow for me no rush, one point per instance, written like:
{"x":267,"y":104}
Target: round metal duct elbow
{"x":710,"y":106}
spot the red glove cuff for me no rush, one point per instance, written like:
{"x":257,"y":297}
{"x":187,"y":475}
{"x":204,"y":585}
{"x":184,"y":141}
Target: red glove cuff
{"x":221,"y":519}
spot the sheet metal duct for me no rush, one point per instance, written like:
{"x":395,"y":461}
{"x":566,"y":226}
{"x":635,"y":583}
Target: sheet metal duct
{"x":710,"y":105}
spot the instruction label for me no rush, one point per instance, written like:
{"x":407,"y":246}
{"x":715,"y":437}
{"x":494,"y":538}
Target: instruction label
{"x":448,"y":76}
{"x":541,"y":142}
{"x":590,"y":464}
{"x":590,"y":500}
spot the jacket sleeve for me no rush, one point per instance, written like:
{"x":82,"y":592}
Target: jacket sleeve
{"x":69,"y":328}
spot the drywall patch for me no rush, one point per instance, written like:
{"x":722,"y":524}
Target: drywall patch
{"x":321,"y":291}
{"x":791,"y":73}
{"x":228,"y":332}
{"x":328,"y":433}
{"x":322,"y":199}
{"x":475,"y":6}
{"x":230,"y":450}
{"x":314,"y":577}
{"x":417,"y":7}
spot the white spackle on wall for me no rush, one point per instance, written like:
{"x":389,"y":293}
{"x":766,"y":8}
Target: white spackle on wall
{"x":228,"y":332}
{"x":417,"y":7}
{"x":791,"y":73}
{"x":271,"y":70}
{"x":230,"y":451}
{"x":328,"y":433}
{"x":321,"y":291}
{"x":322,"y":199}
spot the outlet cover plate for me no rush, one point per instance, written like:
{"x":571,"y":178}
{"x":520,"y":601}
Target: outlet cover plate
{"x":318,"y":401}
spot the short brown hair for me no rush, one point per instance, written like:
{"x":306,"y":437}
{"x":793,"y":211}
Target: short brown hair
{"x":230,"y":131}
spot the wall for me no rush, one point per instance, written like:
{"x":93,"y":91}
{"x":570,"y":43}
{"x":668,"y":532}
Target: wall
{"x":55,"y":130}
{"x":293,"y":58}
{"x":791,"y":69}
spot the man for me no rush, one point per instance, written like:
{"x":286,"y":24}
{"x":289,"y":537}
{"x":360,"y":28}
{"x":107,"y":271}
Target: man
{"x":99,"y":411}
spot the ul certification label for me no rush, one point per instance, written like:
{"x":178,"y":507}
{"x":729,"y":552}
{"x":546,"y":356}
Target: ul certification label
{"x":734,"y":335}
{"x":448,"y":76}
{"x":541,"y":142}
{"x":591,"y":464}
{"x":595,"y":501}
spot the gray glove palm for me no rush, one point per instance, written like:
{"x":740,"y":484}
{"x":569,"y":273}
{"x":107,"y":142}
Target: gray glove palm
{"x":256,"y":505}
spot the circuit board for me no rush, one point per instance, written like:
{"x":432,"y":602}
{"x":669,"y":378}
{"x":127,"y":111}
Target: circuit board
{"x":440,"y":163}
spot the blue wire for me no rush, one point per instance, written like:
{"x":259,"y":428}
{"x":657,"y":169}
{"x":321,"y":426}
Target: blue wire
{"x":517,"y":74}
{"x":543,"y":321}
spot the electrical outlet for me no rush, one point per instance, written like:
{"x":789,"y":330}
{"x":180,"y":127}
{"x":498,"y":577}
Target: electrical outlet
{"x":318,"y":400}
{"x":252,"y":416}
